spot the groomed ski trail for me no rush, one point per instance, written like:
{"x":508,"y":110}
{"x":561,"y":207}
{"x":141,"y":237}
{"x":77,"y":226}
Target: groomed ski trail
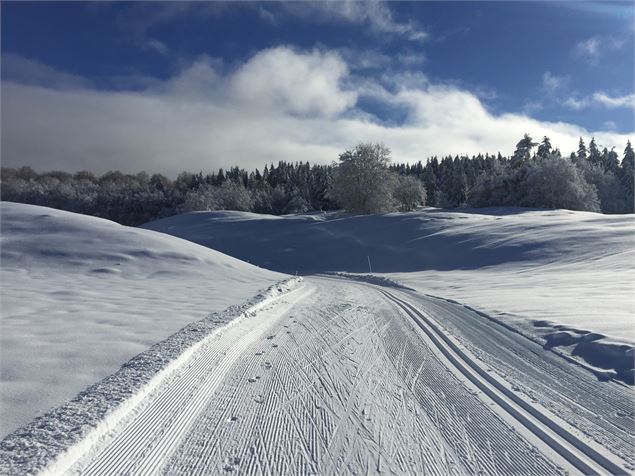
{"x":339,"y":377}
{"x":584,"y":456}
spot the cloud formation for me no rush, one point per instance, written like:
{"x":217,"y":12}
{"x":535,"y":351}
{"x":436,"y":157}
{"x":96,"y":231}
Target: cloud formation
{"x":552,"y":82}
{"x":280,"y":104}
{"x":376,"y":15}
{"x":591,"y":49}
{"x":601,"y":99}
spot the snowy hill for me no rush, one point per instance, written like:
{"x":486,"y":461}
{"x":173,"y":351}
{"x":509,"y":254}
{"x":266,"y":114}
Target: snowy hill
{"x":82,"y":295}
{"x":406,"y":242}
{"x":548,"y":272}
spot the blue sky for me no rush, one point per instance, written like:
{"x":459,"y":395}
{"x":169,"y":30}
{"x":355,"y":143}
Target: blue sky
{"x":171,"y":86}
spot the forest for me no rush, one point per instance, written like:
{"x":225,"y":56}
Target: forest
{"x":363,"y":180}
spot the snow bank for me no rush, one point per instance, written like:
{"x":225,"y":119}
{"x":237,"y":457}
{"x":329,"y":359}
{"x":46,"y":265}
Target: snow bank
{"x":370,"y":278}
{"x":82,"y":295}
{"x":519,"y":266}
{"x":49,"y":440}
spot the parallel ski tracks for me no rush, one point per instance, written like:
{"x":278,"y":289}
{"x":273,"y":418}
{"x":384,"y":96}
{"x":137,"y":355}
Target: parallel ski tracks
{"x":308,"y":404}
{"x":578,"y":453}
{"x":144,"y":444}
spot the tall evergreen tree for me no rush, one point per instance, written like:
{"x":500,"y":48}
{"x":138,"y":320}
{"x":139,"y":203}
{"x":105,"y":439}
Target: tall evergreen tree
{"x":582,"y":150}
{"x":627,"y":176}
{"x":595,"y":157}
{"x":523,"y":151}
{"x":544,"y":149}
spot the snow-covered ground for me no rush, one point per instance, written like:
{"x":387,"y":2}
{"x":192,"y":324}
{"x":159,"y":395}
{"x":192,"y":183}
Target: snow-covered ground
{"x":561,"y":276}
{"x":341,"y":377}
{"x":459,"y":357}
{"x":81,"y":296}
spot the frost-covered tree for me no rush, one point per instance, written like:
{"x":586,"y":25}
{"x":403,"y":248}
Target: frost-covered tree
{"x":544,"y":148}
{"x":582,"y":151}
{"x":609,"y":189}
{"x":362,"y":182}
{"x":555,"y":182}
{"x":610,"y":160}
{"x":523,"y":151}
{"x":627,"y":176}
{"x":201,"y":199}
{"x":232,"y":196}
{"x":595,"y":157}
{"x":494,"y":187}
{"x":409,"y":193}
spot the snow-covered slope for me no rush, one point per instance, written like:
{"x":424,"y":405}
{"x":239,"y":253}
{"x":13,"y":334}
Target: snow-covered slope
{"x":554,"y":274}
{"x":81,"y":296}
{"x":404,"y":242}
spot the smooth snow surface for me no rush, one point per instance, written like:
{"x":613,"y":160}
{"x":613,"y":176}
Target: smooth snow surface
{"x":82,"y":295}
{"x":341,"y":377}
{"x":546,"y":272}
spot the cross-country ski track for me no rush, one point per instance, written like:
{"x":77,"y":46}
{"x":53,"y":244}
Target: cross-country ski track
{"x":343,"y":377}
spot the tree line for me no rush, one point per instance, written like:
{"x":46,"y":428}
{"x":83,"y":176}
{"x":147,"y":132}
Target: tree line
{"x":364,"y":180}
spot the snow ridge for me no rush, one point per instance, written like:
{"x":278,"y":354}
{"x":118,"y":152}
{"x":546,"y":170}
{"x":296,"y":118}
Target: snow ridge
{"x":371,"y":279}
{"x":50,"y":443}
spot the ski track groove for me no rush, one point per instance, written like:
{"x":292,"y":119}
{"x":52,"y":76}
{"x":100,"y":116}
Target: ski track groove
{"x":484,"y":381}
{"x":523,"y":361}
{"x":354,"y":385}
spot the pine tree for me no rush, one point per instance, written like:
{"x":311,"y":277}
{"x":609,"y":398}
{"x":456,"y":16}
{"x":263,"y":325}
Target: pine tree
{"x":594,"y":153}
{"x":582,"y":151}
{"x":627,"y":176}
{"x":523,"y":151}
{"x":610,"y":160}
{"x":544,"y":149}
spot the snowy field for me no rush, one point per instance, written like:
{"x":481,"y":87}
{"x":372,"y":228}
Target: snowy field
{"x":566,"y":278}
{"x":341,"y":377}
{"x":82,"y":295}
{"x":326,"y":375}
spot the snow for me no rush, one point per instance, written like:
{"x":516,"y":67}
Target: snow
{"x":466,"y":350}
{"x":542,"y":271}
{"x":52,"y":442}
{"x":82,"y":295}
{"x":342,"y":377}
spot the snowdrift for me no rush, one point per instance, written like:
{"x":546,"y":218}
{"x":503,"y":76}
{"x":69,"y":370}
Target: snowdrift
{"x":544,"y":272}
{"x":82,"y":295}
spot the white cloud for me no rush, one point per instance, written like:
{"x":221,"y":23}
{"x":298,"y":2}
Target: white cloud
{"x":376,"y":15}
{"x":591,"y":49}
{"x":552,"y":83}
{"x":26,"y":71}
{"x":156,"y":46}
{"x":281,"y":104}
{"x":614,"y":102}
{"x":283,"y":80}
{"x":601,"y":99}
{"x":267,"y":16}
{"x":577,"y":104}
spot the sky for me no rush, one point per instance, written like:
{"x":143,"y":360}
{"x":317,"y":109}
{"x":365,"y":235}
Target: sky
{"x":166,"y":87}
